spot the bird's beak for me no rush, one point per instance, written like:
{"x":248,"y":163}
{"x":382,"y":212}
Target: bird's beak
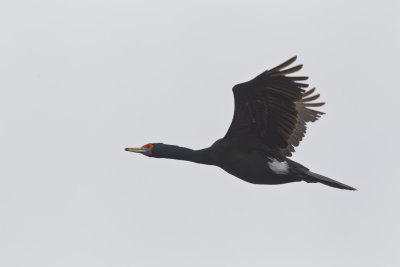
{"x":138,"y":150}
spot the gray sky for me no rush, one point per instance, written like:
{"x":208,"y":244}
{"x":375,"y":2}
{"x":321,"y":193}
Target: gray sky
{"x":82,"y":80}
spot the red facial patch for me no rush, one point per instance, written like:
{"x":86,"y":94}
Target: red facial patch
{"x":149,"y":146}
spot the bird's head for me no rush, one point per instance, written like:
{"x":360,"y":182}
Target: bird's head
{"x":145,"y":150}
{"x":158,"y":150}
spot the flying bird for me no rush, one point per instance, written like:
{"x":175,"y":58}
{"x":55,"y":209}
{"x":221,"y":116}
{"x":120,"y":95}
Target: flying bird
{"x":269,"y":121}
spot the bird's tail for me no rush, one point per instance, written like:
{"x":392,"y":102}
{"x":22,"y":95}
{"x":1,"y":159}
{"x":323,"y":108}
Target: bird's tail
{"x":311,"y":177}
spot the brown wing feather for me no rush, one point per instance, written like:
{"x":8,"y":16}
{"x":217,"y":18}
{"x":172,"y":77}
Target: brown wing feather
{"x":271,"y":110}
{"x":304,"y":116}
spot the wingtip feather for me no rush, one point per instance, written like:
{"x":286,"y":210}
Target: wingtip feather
{"x":283,"y":65}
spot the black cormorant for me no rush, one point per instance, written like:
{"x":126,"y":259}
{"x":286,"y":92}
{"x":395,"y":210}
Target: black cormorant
{"x":271,"y":113}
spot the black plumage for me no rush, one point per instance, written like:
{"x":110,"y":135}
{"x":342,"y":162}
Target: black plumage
{"x":270,"y":118}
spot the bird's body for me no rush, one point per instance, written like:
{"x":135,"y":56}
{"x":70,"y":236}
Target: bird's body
{"x":257,"y":167}
{"x":271,"y":112}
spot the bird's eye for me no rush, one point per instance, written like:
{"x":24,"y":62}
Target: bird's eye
{"x":148,"y":146}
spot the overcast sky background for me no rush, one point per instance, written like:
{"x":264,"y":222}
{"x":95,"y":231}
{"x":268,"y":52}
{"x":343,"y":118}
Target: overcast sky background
{"x":82,"y":80}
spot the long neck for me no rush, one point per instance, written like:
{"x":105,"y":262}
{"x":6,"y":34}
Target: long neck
{"x":203,"y":156}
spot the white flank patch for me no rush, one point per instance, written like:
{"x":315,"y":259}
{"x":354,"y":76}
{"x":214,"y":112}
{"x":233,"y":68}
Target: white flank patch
{"x":278,"y":167}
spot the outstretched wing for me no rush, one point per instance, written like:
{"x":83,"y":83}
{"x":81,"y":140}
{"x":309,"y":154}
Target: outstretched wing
{"x":271,"y":110}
